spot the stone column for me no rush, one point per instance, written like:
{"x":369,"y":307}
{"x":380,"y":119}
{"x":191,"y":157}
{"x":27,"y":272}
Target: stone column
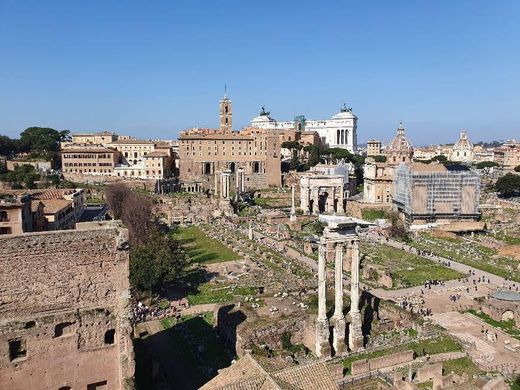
{"x":334,"y":200}
{"x":355,"y":337}
{"x":293,"y":206}
{"x":242,"y":180}
{"x":216,"y":184}
{"x":227,"y":177}
{"x":237,"y":181}
{"x":322,"y":323}
{"x":340,"y":201}
{"x":308,"y":200}
{"x":316,"y":205}
{"x":338,"y":317}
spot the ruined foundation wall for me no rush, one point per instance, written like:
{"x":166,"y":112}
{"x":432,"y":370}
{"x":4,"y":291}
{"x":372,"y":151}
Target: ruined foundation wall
{"x":64,"y":310}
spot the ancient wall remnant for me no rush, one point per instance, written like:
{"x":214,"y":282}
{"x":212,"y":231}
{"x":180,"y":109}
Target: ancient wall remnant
{"x":64,"y":310}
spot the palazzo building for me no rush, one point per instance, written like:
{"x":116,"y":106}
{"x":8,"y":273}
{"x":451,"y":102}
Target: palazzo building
{"x":340,"y":131}
{"x":204,"y":154}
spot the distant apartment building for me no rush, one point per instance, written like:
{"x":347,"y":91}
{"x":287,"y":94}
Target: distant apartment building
{"x":206,"y":154}
{"x":374,"y":148}
{"x":88,"y":159}
{"x":15,"y":214}
{"x":508,"y":155}
{"x":434,"y":193}
{"x":38,"y":210}
{"x":108,"y":154}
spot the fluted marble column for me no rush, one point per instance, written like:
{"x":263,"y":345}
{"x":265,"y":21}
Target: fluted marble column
{"x":322,"y":323}
{"x":293,"y":204}
{"x":338,"y":317}
{"x":355,"y":340}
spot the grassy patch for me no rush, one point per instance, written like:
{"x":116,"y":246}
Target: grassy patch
{"x":472,"y":254}
{"x":506,"y":326}
{"x":461,"y":366}
{"x":210,"y":293}
{"x":202,"y":249}
{"x":421,"y":347}
{"x":373,"y":214}
{"x":407,"y":269}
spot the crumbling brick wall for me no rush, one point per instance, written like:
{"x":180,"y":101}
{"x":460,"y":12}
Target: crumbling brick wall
{"x":64,"y":310}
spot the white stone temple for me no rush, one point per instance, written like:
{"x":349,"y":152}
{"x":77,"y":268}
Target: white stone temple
{"x":340,"y":131}
{"x":339,"y":236}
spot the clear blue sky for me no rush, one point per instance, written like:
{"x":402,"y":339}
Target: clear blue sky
{"x":152,"y":68}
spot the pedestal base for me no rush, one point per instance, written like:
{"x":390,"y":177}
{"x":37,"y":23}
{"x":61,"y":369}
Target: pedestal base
{"x":338,"y":342}
{"x":355,"y":334}
{"x":322,"y":338}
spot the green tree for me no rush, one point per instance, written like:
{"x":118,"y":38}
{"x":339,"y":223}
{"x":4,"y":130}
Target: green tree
{"x":440,"y":158}
{"x":158,"y":262}
{"x":43,"y":142}
{"x":508,"y":185}
{"x":8,"y":146}
{"x":487,"y":164}
{"x":517,"y":168}
{"x":380,"y":159}
{"x":23,"y":176}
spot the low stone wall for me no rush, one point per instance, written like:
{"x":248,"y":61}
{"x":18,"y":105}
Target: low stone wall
{"x":148,"y":185}
{"x":364,"y":365}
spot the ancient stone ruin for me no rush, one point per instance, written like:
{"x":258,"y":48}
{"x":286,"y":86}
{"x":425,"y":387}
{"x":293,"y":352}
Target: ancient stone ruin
{"x":64,"y":310}
{"x":340,"y":234}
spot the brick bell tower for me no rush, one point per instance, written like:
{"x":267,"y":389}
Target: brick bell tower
{"x":226,"y":115}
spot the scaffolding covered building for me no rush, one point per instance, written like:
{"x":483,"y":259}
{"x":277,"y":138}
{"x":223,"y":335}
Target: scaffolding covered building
{"x":434,"y":193}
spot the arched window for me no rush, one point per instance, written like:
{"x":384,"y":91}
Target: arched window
{"x":232,"y":167}
{"x":256,"y":167}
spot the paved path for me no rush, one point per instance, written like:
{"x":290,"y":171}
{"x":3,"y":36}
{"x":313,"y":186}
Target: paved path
{"x":489,"y":355}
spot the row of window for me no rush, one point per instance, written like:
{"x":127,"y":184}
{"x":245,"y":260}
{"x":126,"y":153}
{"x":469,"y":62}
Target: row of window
{"x":87,"y":164}
{"x":104,"y":155}
{"x":89,"y":170}
{"x":264,"y":153}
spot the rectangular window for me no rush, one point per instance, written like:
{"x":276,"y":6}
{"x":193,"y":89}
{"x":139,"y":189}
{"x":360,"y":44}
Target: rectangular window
{"x":17,"y":349}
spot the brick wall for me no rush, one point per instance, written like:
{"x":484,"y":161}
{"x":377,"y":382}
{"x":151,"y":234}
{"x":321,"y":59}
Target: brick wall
{"x":64,"y":300}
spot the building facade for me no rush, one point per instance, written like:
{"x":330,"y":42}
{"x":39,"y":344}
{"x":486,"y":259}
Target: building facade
{"x":340,"y":131}
{"x":434,"y":193}
{"x":378,"y":183}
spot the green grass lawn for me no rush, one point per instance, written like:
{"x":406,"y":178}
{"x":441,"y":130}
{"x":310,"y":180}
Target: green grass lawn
{"x":373,"y":214}
{"x":506,"y":326}
{"x":472,"y":254}
{"x":201,"y":291}
{"x":407,"y":269}
{"x":461,"y":366}
{"x":202,"y":249}
{"x":421,"y":348}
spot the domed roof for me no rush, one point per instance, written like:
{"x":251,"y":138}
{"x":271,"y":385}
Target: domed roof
{"x":345,"y":113}
{"x":463,"y":143}
{"x":399,"y":142}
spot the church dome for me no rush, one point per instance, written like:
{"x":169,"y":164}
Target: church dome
{"x":399,"y":142}
{"x":463,"y":143}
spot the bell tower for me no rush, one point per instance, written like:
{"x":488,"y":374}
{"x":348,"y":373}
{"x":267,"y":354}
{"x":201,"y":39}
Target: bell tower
{"x":226,"y":115}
